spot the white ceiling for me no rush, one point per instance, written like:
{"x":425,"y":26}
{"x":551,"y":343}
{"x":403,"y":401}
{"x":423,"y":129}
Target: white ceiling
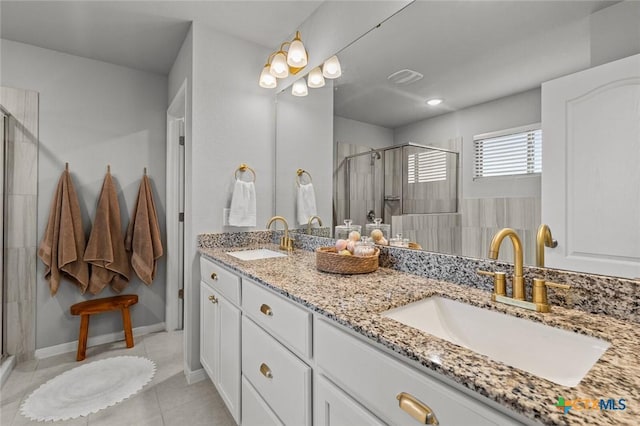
{"x":145,"y":35}
{"x":470,"y":52}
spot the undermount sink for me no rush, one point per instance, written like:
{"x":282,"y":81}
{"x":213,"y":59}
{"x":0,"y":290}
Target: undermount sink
{"x":561,"y":356}
{"x":255,"y":254}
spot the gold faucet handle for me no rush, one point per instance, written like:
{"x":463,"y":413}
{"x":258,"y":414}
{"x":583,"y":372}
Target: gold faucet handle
{"x":499,"y":281}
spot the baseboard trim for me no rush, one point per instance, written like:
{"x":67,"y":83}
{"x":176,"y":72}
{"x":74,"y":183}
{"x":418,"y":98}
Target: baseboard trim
{"x":195,"y":376}
{"x":6,"y":367}
{"x":64,"y":348}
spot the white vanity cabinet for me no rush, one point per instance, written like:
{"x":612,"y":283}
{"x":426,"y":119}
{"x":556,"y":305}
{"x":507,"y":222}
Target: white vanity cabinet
{"x":276,"y":363}
{"x":220,"y":333}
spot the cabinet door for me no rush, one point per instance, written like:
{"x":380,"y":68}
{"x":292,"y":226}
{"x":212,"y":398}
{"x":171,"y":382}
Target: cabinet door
{"x":228,"y":358}
{"x":220,"y":346}
{"x":332,"y":407}
{"x":208,"y":320}
{"x":590,"y":173}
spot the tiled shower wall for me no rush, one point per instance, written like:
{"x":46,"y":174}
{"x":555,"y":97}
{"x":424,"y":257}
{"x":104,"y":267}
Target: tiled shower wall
{"x":21,"y":184}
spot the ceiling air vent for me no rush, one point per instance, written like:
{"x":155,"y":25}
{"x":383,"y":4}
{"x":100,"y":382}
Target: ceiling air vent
{"x":404,"y":77}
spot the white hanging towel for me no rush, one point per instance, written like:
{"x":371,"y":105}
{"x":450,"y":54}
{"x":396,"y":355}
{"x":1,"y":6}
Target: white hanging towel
{"x":306,"y":203}
{"x":243,"y":204}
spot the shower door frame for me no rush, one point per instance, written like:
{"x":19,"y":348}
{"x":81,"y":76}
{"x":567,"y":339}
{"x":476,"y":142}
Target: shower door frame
{"x":383,"y":151}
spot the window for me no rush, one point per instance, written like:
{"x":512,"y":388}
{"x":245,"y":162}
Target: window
{"x":509,"y":152}
{"x":430,"y":166}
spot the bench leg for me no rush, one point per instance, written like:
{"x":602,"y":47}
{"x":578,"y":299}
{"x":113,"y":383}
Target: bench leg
{"x":126,"y":324}
{"x":82,"y":340}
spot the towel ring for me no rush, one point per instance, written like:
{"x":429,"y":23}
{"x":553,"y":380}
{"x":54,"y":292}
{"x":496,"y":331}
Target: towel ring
{"x":243,"y":168}
{"x":299,"y":174}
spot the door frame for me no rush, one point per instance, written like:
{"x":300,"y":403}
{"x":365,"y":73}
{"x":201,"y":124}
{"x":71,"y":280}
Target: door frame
{"x":176,"y":113}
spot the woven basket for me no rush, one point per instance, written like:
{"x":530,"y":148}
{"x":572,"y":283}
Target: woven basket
{"x":328,"y":260}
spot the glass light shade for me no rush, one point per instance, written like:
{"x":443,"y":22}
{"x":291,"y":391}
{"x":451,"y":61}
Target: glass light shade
{"x":279,"y":67}
{"x":266,"y":79}
{"x":315,"y":78}
{"x":300,"y":88}
{"x":297,"y":55}
{"x":331,"y":68}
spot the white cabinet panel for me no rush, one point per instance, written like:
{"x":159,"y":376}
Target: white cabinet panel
{"x":221,"y":280}
{"x":591,"y":177}
{"x":332,"y":407}
{"x":281,"y":378}
{"x":291,"y":324}
{"x":256,"y":412}
{"x":220,"y":346}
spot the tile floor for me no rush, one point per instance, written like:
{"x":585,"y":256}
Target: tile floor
{"x":167,"y":400}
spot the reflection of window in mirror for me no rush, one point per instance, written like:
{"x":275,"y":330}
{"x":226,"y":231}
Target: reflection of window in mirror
{"x":508,"y":152}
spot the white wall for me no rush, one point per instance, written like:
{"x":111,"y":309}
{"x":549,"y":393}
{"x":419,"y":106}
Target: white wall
{"x":304,"y":134}
{"x":511,"y":111}
{"x":355,"y":132}
{"x":92,"y":114}
{"x":615,"y":32}
{"x":233,"y":122}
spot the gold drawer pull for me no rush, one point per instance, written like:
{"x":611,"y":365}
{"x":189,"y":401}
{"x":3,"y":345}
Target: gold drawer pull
{"x":266,"y":309}
{"x":266,"y":371}
{"x":213,"y":299}
{"x":416,"y":409}
{"x":214,"y":276}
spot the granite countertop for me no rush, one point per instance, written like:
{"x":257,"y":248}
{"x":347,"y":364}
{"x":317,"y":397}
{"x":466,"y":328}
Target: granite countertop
{"x":356,"y":301}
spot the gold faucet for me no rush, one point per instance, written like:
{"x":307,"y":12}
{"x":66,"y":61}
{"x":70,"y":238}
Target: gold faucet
{"x":543,"y":238}
{"x":310,"y":221}
{"x":518,"y":280}
{"x":286,"y":243}
{"x":539,"y":302}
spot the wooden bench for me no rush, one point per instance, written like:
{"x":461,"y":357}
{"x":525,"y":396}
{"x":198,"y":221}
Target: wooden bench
{"x":98,"y":306}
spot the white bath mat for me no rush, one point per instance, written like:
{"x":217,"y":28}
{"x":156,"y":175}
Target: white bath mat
{"x":88,"y":388}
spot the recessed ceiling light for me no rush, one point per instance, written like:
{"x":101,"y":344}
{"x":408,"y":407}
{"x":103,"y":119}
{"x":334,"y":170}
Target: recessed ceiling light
{"x":434,"y":102}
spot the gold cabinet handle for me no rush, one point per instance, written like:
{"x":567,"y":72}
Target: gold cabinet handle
{"x":416,"y":409}
{"x":213,"y":299}
{"x":266,"y":371}
{"x":266,"y":309}
{"x":214,"y":276}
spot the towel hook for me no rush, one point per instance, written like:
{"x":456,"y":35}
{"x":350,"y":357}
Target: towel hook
{"x":108,"y":168}
{"x":299,"y":174}
{"x":145,"y":171}
{"x":243,"y":168}
{"x":66,"y":166}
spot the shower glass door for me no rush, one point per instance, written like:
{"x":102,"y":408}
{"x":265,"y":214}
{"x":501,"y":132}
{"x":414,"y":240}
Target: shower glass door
{"x":3,"y":128}
{"x":365,"y":183}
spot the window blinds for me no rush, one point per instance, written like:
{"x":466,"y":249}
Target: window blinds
{"x":509,"y":153}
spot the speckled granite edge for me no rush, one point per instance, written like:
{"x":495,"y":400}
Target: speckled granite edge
{"x":599,"y":294}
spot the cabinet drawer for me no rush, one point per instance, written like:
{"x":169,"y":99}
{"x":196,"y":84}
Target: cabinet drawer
{"x":286,"y":321}
{"x":221,"y":279}
{"x":255,"y":412}
{"x":376,"y":380}
{"x":281,"y":378}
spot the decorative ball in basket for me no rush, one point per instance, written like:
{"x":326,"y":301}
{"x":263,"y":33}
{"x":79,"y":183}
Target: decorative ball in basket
{"x":328,"y":260}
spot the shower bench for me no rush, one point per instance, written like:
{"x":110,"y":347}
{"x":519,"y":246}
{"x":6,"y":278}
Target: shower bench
{"x":98,"y":306}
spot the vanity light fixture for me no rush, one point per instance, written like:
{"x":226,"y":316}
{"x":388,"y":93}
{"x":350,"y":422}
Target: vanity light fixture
{"x":291,"y":58}
{"x":434,"y":101}
{"x":331,"y":68}
{"x":315,"y":78}
{"x":267,"y":80}
{"x":299,"y":88}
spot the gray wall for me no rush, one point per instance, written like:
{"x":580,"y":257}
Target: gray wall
{"x":92,"y":114}
{"x":615,"y":32}
{"x":304,"y":129}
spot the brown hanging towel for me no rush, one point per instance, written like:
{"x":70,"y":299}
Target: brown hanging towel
{"x":143,"y":235}
{"x":105,"y":250}
{"x":62,"y":245}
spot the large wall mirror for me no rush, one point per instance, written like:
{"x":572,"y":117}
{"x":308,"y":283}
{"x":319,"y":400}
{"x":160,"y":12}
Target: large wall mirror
{"x":375,"y":147}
